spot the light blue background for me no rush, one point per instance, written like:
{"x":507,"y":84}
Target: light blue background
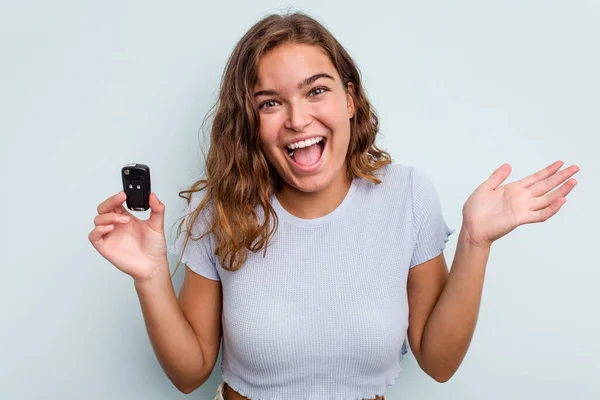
{"x":461,"y":87}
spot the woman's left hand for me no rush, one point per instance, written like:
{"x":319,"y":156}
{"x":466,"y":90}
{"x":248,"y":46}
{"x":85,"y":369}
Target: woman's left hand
{"x":492,"y":211}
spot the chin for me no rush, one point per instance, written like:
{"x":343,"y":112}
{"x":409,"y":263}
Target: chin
{"x":309,"y":187}
{"x":311,"y":184}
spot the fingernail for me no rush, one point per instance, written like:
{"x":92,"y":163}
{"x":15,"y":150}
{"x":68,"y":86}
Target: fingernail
{"x":124,"y":219}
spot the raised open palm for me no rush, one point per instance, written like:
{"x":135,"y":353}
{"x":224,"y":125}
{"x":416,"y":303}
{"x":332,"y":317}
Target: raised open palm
{"x":492,"y":210}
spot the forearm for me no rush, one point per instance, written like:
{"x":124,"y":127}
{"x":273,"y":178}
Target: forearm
{"x":451,"y":325}
{"x":175,"y":344}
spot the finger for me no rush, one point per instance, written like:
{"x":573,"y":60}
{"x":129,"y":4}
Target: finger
{"x":542,"y":174}
{"x":498,"y":176}
{"x":95,"y":236}
{"x":157,"y":213}
{"x":544,"y":201}
{"x":543,"y":187}
{"x":112,"y":204}
{"x":546,"y":213}
{"x":111,"y":218}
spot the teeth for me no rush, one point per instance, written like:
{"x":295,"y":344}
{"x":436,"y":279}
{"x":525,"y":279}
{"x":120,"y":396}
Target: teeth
{"x":305,"y":143}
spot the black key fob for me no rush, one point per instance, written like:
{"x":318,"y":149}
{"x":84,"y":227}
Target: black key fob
{"x":136,"y":184}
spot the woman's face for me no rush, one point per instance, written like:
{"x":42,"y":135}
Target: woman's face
{"x":302,"y":100}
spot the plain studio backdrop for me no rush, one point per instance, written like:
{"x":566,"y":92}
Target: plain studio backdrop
{"x":460,"y":87}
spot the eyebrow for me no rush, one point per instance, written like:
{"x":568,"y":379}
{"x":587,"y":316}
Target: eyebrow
{"x":306,"y":82}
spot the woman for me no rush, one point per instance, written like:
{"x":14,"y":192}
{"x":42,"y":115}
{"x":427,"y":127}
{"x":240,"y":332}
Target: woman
{"x":309,"y":246}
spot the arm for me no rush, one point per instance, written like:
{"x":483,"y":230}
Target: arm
{"x":185,"y":335}
{"x":444,"y":308}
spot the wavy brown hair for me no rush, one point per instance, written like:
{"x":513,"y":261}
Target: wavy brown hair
{"x":239,"y":180}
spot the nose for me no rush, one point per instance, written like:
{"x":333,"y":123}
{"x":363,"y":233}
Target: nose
{"x":298,"y":116}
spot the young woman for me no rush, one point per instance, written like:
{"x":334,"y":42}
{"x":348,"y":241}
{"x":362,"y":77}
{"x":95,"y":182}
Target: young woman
{"x":308,"y":246}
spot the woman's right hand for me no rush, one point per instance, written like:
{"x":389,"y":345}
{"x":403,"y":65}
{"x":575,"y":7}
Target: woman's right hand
{"x":136,"y":247}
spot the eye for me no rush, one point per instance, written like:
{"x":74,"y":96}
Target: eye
{"x":267,"y":104}
{"x":318,"y":91}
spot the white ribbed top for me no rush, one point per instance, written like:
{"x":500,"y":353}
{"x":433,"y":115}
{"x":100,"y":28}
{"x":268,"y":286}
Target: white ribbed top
{"x":325,"y":314}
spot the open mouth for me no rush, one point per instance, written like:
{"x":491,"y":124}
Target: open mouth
{"x":307,"y":155}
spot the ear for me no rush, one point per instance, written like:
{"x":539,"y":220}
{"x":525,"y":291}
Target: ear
{"x":350,"y":94}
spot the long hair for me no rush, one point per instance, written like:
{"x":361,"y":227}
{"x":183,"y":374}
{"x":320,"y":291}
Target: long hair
{"x":239,"y":180}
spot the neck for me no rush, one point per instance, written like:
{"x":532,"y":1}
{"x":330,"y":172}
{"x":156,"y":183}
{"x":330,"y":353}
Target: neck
{"x":314,"y":204}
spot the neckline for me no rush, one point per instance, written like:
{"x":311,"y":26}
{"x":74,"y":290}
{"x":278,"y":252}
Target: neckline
{"x":285,"y":215}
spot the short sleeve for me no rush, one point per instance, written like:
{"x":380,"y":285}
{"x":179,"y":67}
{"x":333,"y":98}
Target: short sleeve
{"x":430,"y":229}
{"x":198,"y":255}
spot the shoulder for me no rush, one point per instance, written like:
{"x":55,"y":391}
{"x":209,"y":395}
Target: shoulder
{"x":196,"y":198}
{"x":395,"y":178}
{"x":403,"y":172}
{"x":198,"y":220}
{"x":422,"y":186}
{"x":392,"y":194}
{"x":399,"y":182}
{"x":392,"y":170}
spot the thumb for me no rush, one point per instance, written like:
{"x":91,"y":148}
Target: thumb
{"x":157,"y":213}
{"x":498,"y":176}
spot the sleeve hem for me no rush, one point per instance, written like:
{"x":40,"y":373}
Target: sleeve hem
{"x":196,"y":269}
{"x":422,"y":255}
